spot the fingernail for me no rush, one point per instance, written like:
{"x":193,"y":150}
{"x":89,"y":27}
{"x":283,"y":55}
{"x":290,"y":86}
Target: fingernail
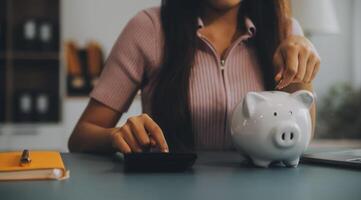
{"x":279,"y":85}
{"x":278,"y":77}
{"x":166,"y":150}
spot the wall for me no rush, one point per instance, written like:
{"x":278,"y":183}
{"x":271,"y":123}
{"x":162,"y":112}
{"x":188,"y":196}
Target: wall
{"x":85,"y":20}
{"x":337,"y":51}
{"x":356,"y":43}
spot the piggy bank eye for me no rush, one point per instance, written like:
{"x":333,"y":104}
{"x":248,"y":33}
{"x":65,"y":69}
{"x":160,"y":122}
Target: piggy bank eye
{"x":290,"y":112}
{"x":275,"y":114}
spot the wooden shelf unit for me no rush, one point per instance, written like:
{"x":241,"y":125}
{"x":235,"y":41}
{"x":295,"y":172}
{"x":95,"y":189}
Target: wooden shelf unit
{"x":33,"y":69}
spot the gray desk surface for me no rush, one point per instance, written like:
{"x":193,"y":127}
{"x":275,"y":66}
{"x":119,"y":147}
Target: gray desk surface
{"x":215,"y":176}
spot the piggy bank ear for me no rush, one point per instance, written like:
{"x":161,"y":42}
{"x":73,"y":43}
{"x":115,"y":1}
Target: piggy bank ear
{"x":250,"y":103}
{"x":305,"y":97}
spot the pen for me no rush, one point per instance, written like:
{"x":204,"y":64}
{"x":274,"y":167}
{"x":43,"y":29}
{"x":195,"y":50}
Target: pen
{"x":25,"y":158}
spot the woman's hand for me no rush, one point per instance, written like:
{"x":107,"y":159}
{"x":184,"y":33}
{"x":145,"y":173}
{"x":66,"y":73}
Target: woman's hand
{"x":139,"y":134}
{"x":296,"y":61}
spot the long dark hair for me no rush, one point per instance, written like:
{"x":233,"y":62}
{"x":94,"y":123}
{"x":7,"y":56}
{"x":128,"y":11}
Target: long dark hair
{"x":170,"y":102}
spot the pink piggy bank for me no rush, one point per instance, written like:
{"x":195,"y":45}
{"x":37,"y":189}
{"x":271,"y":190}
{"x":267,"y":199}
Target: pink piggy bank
{"x":273,"y":126}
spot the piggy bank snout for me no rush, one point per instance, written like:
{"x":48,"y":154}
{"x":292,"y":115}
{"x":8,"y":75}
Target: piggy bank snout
{"x":286,"y":135}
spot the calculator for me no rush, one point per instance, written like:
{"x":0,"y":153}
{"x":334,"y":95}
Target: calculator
{"x":159,"y":162}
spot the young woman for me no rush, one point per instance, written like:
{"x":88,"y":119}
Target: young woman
{"x":193,"y":60}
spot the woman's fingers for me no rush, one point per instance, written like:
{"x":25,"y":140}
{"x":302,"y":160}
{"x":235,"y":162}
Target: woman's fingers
{"x":312,"y":63}
{"x":137,"y":126}
{"x":303,"y":58}
{"x":139,"y":133}
{"x":291,"y":54}
{"x":316,"y":70}
{"x":156,"y":133}
{"x":278,"y":62}
{"x":130,"y":139}
{"x":299,"y":60}
{"x":119,"y":143}
{"x":153,"y":143}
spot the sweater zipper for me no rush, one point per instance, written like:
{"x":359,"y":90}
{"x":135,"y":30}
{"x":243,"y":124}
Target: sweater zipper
{"x":223,"y":66}
{"x":221,"y":62}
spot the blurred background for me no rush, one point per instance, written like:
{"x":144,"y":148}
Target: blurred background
{"x":52,"y":51}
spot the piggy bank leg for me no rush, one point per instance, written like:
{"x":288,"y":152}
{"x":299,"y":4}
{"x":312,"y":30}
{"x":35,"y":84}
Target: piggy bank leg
{"x":292,"y":163}
{"x":261,"y":163}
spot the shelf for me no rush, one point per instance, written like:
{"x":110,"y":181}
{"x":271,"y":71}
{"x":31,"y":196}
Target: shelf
{"x":29,"y":68}
{"x":48,"y":9}
{"x":77,"y":97}
{"x":28,"y":125}
{"x":36,"y":76}
{"x":35,"y":55}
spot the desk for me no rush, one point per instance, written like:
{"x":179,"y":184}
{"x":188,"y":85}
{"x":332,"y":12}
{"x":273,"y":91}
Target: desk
{"x":215,"y":176}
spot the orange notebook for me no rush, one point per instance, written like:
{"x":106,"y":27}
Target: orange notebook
{"x":44,"y":165}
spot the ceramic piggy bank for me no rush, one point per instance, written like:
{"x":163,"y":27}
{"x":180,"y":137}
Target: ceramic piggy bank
{"x":273,"y":126}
